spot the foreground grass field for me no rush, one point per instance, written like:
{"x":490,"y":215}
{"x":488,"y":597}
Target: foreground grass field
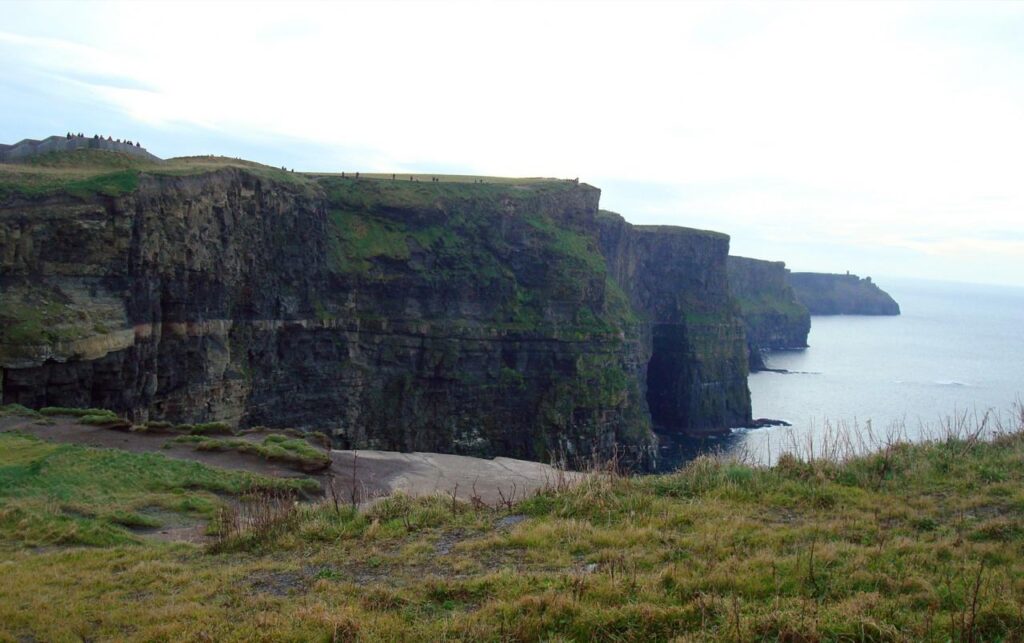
{"x":922,"y":542}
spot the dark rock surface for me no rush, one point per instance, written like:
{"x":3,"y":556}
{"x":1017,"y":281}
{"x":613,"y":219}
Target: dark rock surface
{"x":478,"y":319}
{"x":675,"y":279}
{"x":772,"y":317}
{"x":829,"y":294}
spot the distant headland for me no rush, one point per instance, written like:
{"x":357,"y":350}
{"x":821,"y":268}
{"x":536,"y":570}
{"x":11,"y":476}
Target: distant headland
{"x":828,"y":294}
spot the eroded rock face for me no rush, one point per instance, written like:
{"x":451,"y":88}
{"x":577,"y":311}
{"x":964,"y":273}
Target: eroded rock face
{"x":463,"y":318}
{"x":675,"y":279}
{"x":773,"y":318}
{"x":831,"y":294}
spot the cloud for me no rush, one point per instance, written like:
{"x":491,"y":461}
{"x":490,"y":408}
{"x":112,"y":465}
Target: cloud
{"x":972,"y":247}
{"x":841,"y":123}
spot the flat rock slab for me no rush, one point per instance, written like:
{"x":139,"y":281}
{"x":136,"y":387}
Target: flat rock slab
{"x":379,"y":473}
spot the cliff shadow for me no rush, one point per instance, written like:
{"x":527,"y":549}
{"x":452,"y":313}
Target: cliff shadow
{"x":669,"y":380}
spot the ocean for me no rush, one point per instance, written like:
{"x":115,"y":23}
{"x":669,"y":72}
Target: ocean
{"x":956,"y":349}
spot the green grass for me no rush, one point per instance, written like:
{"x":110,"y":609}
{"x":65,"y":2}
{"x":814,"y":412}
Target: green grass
{"x":455,"y":236}
{"x":74,"y":412}
{"x":208,"y":428}
{"x":915,"y":542}
{"x":85,"y":174}
{"x":90,"y":417}
{"x":356,"y":240}
{"x":32,"y":319}
{"x":62,"y":494}
{"x":38,"y":182}
{"x":18,"y":410}
{"x":273,"y":447}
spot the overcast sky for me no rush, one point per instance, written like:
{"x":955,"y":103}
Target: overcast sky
{"x":880,"y":138}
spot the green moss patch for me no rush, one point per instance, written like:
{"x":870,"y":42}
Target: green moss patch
{"x":67,"y":494}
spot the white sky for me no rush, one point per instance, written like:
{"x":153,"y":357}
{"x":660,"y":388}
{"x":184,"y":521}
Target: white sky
{"x":883,"y":138}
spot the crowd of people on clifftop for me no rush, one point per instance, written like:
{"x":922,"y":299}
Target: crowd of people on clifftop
{"x":109,"y":139}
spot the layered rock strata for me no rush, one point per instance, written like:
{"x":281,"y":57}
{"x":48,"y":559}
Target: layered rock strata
{"x":772,"y":316}
{"x":676,"y":282}
{"x":468,"y":318}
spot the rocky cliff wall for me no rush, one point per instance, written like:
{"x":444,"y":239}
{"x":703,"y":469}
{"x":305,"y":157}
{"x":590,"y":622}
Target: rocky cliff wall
{"x":675,"y":279}
{"x":772,"y":317}
{"x":469,"y":318}
{"x":830,"y":294}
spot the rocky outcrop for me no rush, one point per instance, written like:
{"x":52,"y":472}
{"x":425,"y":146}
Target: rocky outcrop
{"x":772,"y":316}
{"x":478,"y":319}
{"x":27,"y":148}
{"x":829,"y":294}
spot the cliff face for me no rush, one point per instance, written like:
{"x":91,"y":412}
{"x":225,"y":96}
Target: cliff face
{"x":469,"y":318}
{"x":676,"y":281}
{"x":772,"y":316}
{"x":828,"y":294}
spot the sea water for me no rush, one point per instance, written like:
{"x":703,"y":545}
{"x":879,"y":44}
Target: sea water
{"x":956,"y":349}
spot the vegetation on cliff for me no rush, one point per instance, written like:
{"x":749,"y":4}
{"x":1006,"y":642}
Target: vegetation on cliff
{"x":772,"y":316}
{"x":465,"y":236}
{"x":85,"y":174}
{"x":912,"y":542}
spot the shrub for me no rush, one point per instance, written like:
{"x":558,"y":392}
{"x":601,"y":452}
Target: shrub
{"x":74,"y":412}
{"x":107,"y":421}
{"x":211,"y":428}
{"x":274,"y":447}
{"x":17,"y":409}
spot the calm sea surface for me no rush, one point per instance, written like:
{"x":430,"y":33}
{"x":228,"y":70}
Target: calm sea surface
{"x":956,"y":348}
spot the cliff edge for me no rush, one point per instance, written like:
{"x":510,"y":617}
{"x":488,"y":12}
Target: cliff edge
{"x":773,"y":317}
{"x":502,"y":317}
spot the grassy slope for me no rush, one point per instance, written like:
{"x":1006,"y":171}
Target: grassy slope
{"x":71,"y":495}
{"x":916,"y":543}
{"x":84,"y":173}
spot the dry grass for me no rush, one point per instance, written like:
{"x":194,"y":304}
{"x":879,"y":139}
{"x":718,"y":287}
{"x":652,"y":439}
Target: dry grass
{"x":907,"y":543}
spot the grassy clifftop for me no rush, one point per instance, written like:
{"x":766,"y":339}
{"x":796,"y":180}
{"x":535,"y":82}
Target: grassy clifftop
{"x":88,"y":173}
{"x":913,"y":542}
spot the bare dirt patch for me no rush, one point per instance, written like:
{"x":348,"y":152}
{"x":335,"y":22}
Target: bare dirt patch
{"x":174,"y":527}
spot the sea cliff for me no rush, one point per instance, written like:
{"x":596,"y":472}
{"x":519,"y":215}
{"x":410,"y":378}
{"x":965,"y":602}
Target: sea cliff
{"x":482,"y":318}
{"x":832,"y":294}
{"x":772,"y":316}
{"x":676,"y":282}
